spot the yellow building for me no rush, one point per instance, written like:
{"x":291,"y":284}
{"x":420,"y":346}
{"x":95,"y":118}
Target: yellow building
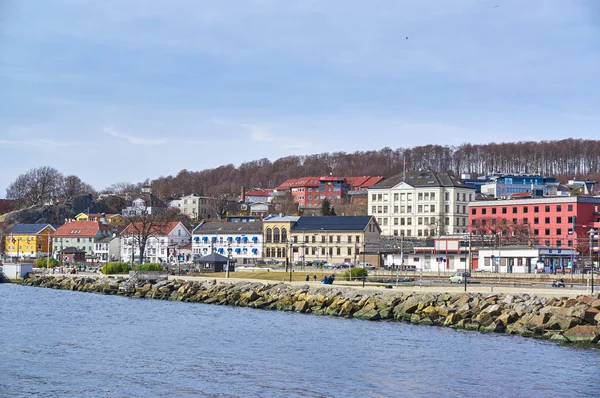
{"x":29,"y":241}
{"x":115,"y":221}
{"x":332,"y":239}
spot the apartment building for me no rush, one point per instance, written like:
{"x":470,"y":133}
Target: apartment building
{"x":420,"y":204}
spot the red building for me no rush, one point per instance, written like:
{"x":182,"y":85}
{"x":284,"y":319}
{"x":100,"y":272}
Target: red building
{"x":313,"y":190}
{"x":548,"y":221}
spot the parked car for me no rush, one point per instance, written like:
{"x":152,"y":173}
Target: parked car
{"x":459,"y":277}
{"x":319,"y":263}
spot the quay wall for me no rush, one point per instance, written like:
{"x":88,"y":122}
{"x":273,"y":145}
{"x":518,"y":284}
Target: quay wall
{"x":560,"y":319}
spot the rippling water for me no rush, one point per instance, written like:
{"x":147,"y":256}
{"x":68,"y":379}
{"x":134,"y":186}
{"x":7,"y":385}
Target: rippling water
{"x":62,"y":343}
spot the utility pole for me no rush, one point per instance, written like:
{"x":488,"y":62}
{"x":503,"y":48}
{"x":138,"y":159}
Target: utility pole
{"x":592,"y":232}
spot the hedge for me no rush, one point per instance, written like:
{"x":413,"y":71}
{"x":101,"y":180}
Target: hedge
{"x":115,"y":268}
{"x":149,"y":267}
{"x":45,"y":262}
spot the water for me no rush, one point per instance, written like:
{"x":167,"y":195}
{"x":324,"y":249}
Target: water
{"x":69,"y":344}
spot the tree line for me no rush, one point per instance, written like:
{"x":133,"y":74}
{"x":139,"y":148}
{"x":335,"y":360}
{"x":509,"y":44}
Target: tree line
{"x":564,"y":159}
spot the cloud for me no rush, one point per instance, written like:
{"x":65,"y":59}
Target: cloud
{"x":133,"y":139}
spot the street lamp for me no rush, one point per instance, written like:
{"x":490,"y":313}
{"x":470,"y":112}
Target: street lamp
{"x":592,"y":232}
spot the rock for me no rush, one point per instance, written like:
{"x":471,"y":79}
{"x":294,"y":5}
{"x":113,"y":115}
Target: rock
{"x":485,"y":319}
{"x":589,"y":315}
{"x":558,"y":338}
{"x":583,"y":334}
{"x":595,"y":304}
{"x":494,"y":327}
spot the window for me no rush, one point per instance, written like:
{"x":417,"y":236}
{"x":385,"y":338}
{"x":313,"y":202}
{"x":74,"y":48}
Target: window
{"x":558,"y":243}
{"x":514,"y":210}
{"x":419,"y":220}
{"x":483,"y":211}
{"x":373,"y":209}
{"x":432,"y":208}
{"x":547,"y":209}
{"x":395,"y":221}
{"x":558,"y":208}
{"x":385,"y":209}
{"x":525,"y":221}
{"x":283,"y":235}
{"x":396,"y":197}
{"x":330,"y":238}
{"x":536,"y":209}
{"x":357,"y":238}
{"x":536,"y":220}
{"x":547,"y":232}
{"x":504,"y":210}
{"x":276,"y":236}
{"x":473,"y":211}
{"x":420,"y":209}
{"x":349,"y":238}
{"x":570,"y":220}
{"x":420,"y":196}
{"x":494,"y":210}
{"x":570,"y":243}
{"x":525,"y":209}
{"x":447,"y":196}
{"x":374,"y":197}
{"x":349,"y":251}
{"x":433,"y":196}
{"x":569,"y":207}
{"x":447,"y":221}
{"x":385,"y":221}
{"x":536,"y":232}
{"x":558,"y":220}
{"x":339,"y":239}
{"x":396,"y":209}
{"x":338,"y":251}
{"x":559,"y":232}
{"x":426,"y":195}
{"x":547,"y":220}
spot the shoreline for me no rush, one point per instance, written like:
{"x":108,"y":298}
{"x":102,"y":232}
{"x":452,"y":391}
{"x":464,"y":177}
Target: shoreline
{"x":563,"y":319}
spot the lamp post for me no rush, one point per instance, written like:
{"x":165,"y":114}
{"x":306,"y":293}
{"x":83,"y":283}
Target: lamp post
{"x":291,"y":255}
{"x":228,"y":259}
{"x":592,"y":232}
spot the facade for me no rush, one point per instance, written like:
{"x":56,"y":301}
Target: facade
{"x":198,"y":207}
{"x":240,"y":241}
{"x":311,"y":191}
{"x":107,"y":249}
{"x":334,"y":239}
{"x":163,"y":243}
{"x":502,"y":186}
{"x":548,"y":221}
{"x":29,"y":241}
{"x":420,"y":204}
{"x":256,"y":195}
{"x":79,"y":237}
{"x":527,"y":260}
{"x":115,"y":221}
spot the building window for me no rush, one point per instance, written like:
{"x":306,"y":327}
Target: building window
{"x":349,"y":251}
{"x":536,"y":232}
{"x":483,"y":211}
{"x":536,"y":209}
{"x":547,"y":209}
{"x":569,"y":207}
{"x":558,"y":220}
{"x":357,"y":238}
{"x":432,"y":208}
{"x":494,"y":210}
{"x":396,"y":197}
{"x":473,"y":210}
{"x":559,"y":232}
{"x":284,"y":235}
{"x":525,"y":209}
{"x":269,"y":237}
{"x":558,"y":208}
{"x":547,"y":220}
{"x":276,"y":236}
{"x":547,"y":232}
{"x":536,"y":220}
{"x":504,"y":210}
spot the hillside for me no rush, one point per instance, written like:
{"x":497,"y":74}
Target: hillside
{"x":564,"y":159}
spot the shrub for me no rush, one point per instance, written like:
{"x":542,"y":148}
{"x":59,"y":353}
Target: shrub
{"x":45,"y":262}
{"x":149,"y":267}
{"x":115,"y":268}
{"x":356,"y":273}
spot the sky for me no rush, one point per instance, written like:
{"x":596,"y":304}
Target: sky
{"x":121,"y":91}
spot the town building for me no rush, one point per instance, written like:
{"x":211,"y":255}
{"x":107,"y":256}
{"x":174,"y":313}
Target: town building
{"x":164,"y":241}
{"x":75,"y":240}
{"x":198,"y":207}
{"x":107,"y":249}
{"x":240,"y":241}
{"x":311,"y":191}
{"x":502,"y":186}
{"x":333,"y":239}
{"x":114,"y":221}
{"x":147,"y":203}
{"x":256,"y":195}
{"x":420,"y":204}
{"x":29,"y":241}
{"x":549,"y":221}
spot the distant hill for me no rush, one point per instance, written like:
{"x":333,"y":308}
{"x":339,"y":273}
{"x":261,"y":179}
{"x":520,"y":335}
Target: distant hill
{"x":564,"y":159}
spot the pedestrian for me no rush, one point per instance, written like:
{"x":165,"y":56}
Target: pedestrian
{"x":307,"y":277}
{"x":315,"y":277}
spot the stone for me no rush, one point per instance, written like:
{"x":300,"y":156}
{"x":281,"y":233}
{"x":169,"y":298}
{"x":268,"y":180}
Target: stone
{"x":485,"y":319}
{"x":559,"y":338}
{"x":494,"y":327}
{"x":583,"y":334}
{"x":589,"y":314}
{"x":595,"y":304}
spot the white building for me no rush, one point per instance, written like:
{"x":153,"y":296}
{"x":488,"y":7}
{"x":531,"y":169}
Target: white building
{"x":240,"y":241}
{"x":147,"y":203}
{"x":198,"y":207}
{"x":420,"y":204}
{"x":526,"y":259}
{"x":163,"y":243}
{"x":108,"y":249}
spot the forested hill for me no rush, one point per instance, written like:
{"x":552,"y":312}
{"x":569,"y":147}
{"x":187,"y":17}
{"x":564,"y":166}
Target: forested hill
{"x":565,"y":159}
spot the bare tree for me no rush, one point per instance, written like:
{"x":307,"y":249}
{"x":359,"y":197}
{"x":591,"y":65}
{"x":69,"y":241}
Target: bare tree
{"x":140,"y":228}
{"x":37,"y":186}
{"x":72,"y":186}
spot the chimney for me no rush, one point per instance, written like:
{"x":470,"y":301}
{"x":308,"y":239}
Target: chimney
{"x":243,"y":195}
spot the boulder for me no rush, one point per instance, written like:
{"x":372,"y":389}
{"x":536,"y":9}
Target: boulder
{"x":583,"y":334}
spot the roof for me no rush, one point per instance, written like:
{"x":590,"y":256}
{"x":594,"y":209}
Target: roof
{"x":423,"y":178}
{"x":80,"y":228}
{"x":160,"y":229}
{"x":97,"y":215}
{"x":212,"y":258}
{"x":105,"y":239}
{"x":29,"y":228}
{"x":216,"y":228}
{"x":281,"y":218}
{"x":300,"y":182}
{"x":364,"y":181}
{"x":332,"y":223}
{"x":259,"y":192}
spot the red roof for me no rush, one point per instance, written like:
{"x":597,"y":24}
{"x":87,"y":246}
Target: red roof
{"x":76,"y":229}
{"x":160,"y":229}
{"x":521,"y":195}
{"x":354,"y":182}
{"x":259,"y":192}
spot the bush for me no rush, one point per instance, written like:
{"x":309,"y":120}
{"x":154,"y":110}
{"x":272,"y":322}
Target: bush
{"x":149,"y":267}
{"x":45,"y":262}
{"x":356,"y":273}
{"x":115,"y":268}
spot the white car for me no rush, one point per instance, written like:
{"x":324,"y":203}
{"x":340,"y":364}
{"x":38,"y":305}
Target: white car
{"x":460,"y":277}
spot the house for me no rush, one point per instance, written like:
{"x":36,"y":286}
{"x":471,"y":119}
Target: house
{"x":147,"y":203}
{"x":241,"y":241}
{"x":256,"y":195}
{"x":198,"y":207}
{"x":527,"y":259}
{"x":115,"y":221}
{"x":502,"y":186}
{"x":334,"y":239}
{"x":214,"y":262}
{"x":29,"y":241}
{"x":164,"y":240}
{"x":420,"y":204}
{"x":75,"y":240}
{"x":107,"y":249}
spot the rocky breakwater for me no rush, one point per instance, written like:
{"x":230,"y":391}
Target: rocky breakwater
{"x":563,"y":319}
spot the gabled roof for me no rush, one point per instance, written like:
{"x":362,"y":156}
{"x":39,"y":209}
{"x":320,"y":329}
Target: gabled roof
{"x":364,"y":181}
{"x":212,"y":258}
{"x":281,"y":218}
{"x":77,"y":229}
{"x":332,"y":223}
{"x":300,"y":182}
{"x":159,"y":229}
{"x":259,"y":192}
{"x":217,"y":228}
{"x":29,"y":228}
{"x":423,"y":178}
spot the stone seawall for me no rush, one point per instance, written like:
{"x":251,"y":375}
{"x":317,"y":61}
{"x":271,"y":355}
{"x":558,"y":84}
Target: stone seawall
{"x":559,"y":319}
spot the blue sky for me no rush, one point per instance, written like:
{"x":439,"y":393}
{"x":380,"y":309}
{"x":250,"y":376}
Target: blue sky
{"x":116,"y":91}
